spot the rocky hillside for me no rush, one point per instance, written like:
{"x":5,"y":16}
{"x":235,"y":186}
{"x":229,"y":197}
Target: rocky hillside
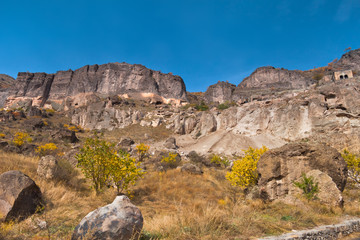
{"x":107,"y":79}
{"x":269,"y":82}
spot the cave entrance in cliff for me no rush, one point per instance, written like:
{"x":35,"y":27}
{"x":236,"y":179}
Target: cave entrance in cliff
{"x":341,"y":77}
{"x":346,"y":77}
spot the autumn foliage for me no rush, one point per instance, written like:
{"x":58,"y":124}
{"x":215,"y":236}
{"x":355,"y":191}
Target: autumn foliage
{"x":244,"y":172}
{"x":104,"y":166}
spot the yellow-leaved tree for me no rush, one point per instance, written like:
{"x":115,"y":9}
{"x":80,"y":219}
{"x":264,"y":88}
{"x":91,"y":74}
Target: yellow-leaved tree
{"x":124,"y":171}
{"x":353,"y":165}
{"x":244,"y":171}
{"x":103,"y":165}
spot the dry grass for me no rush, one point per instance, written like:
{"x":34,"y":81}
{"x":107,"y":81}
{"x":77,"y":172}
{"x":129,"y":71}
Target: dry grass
{"x":175,"y":205}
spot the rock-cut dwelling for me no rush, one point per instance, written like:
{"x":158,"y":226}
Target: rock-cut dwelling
{"x":340,"y":75}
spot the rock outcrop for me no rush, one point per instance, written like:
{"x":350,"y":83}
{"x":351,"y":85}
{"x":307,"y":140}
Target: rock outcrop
{"x":350,"y":60}
{"x":119,"y":220}
{"x":107,"y":79}
{"x":220,"y":92}
{"x":19,"y":196}
{"x":270,"y":77}
{"x":279,"y":168}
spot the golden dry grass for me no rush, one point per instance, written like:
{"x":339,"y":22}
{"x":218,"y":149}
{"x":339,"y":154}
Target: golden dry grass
{"x":175,"y":205}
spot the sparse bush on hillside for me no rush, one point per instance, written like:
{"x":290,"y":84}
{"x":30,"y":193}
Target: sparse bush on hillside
{"x":171,"y":160}
{"x":142,"y":151}
{"x":220,"y":160}
{"x":353,"y":165}
{"x":20,"y":138}
{"x":46,"y":149}
{"x":244,"y":172}
{"x":104,"y":166}
{"x":202,"y":107}
{"x":318,"y":76}
{"x":225,"y":105}
{"x":308,"y":186}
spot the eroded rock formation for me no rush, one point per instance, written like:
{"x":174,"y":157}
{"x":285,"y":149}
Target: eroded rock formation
{"x":107,"y":79}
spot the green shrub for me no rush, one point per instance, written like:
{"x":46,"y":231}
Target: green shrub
{"x":202,"y":107}
{"x":308,"y":186}
{"x":220,"y":160}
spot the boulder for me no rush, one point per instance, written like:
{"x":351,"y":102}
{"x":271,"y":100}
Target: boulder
{"x":170,"y":143}
{"x":20,"y":197}
{"x":328,"y":193}
{"x":119,"y":220}
{"x":126,"y":143}
{"x":191,"y":168}
{"x":279,"y":168}
{"x":48,"y":167}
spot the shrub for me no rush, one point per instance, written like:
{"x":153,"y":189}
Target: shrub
{"x":2,"y":135}
{"x":308,"y":186}
{"x":221,"y":161}
{"x":20,"y":138}
{"x":244,"y":172}
{"x":100,"y":163}
{"x":202,"y":107}
{"x":46,"y":149}
{"x":353,"y":165}
{"x":318,"y":76}
{"x":225,"y":105}
{"x":171,"y":160}
{"x":142,"y":151}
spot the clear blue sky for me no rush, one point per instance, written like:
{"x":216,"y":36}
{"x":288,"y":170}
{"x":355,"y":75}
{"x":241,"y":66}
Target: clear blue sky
{"x":203,"y":41}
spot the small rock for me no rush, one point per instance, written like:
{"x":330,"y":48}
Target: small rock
{"x":170,"y":143}
{"x":119,"y":220}
{"x":191,"y":168}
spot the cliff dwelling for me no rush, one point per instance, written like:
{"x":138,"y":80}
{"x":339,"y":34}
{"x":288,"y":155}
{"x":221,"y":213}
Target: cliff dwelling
{"x":340,"y":75}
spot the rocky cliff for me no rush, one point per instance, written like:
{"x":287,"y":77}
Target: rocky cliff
{"x":270,"y":77}
{"x":107,"y":79}
{"x":6,"y":82}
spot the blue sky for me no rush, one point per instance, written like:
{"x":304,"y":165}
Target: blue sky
{"x":203,"y":41}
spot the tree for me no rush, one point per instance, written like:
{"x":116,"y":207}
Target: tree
{"x":100,"y":163}
{"x":353,"y":165}
{"x":244,"y":172}
{"x":124,"y":171}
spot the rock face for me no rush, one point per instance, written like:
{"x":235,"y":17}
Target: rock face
{"x":279,"y":168}
{"x":220,"y":92}
{"x":19,"y":196}
{"x":118,"y":220}
{"x":107,"y":79}
{"x":270,"y":77}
